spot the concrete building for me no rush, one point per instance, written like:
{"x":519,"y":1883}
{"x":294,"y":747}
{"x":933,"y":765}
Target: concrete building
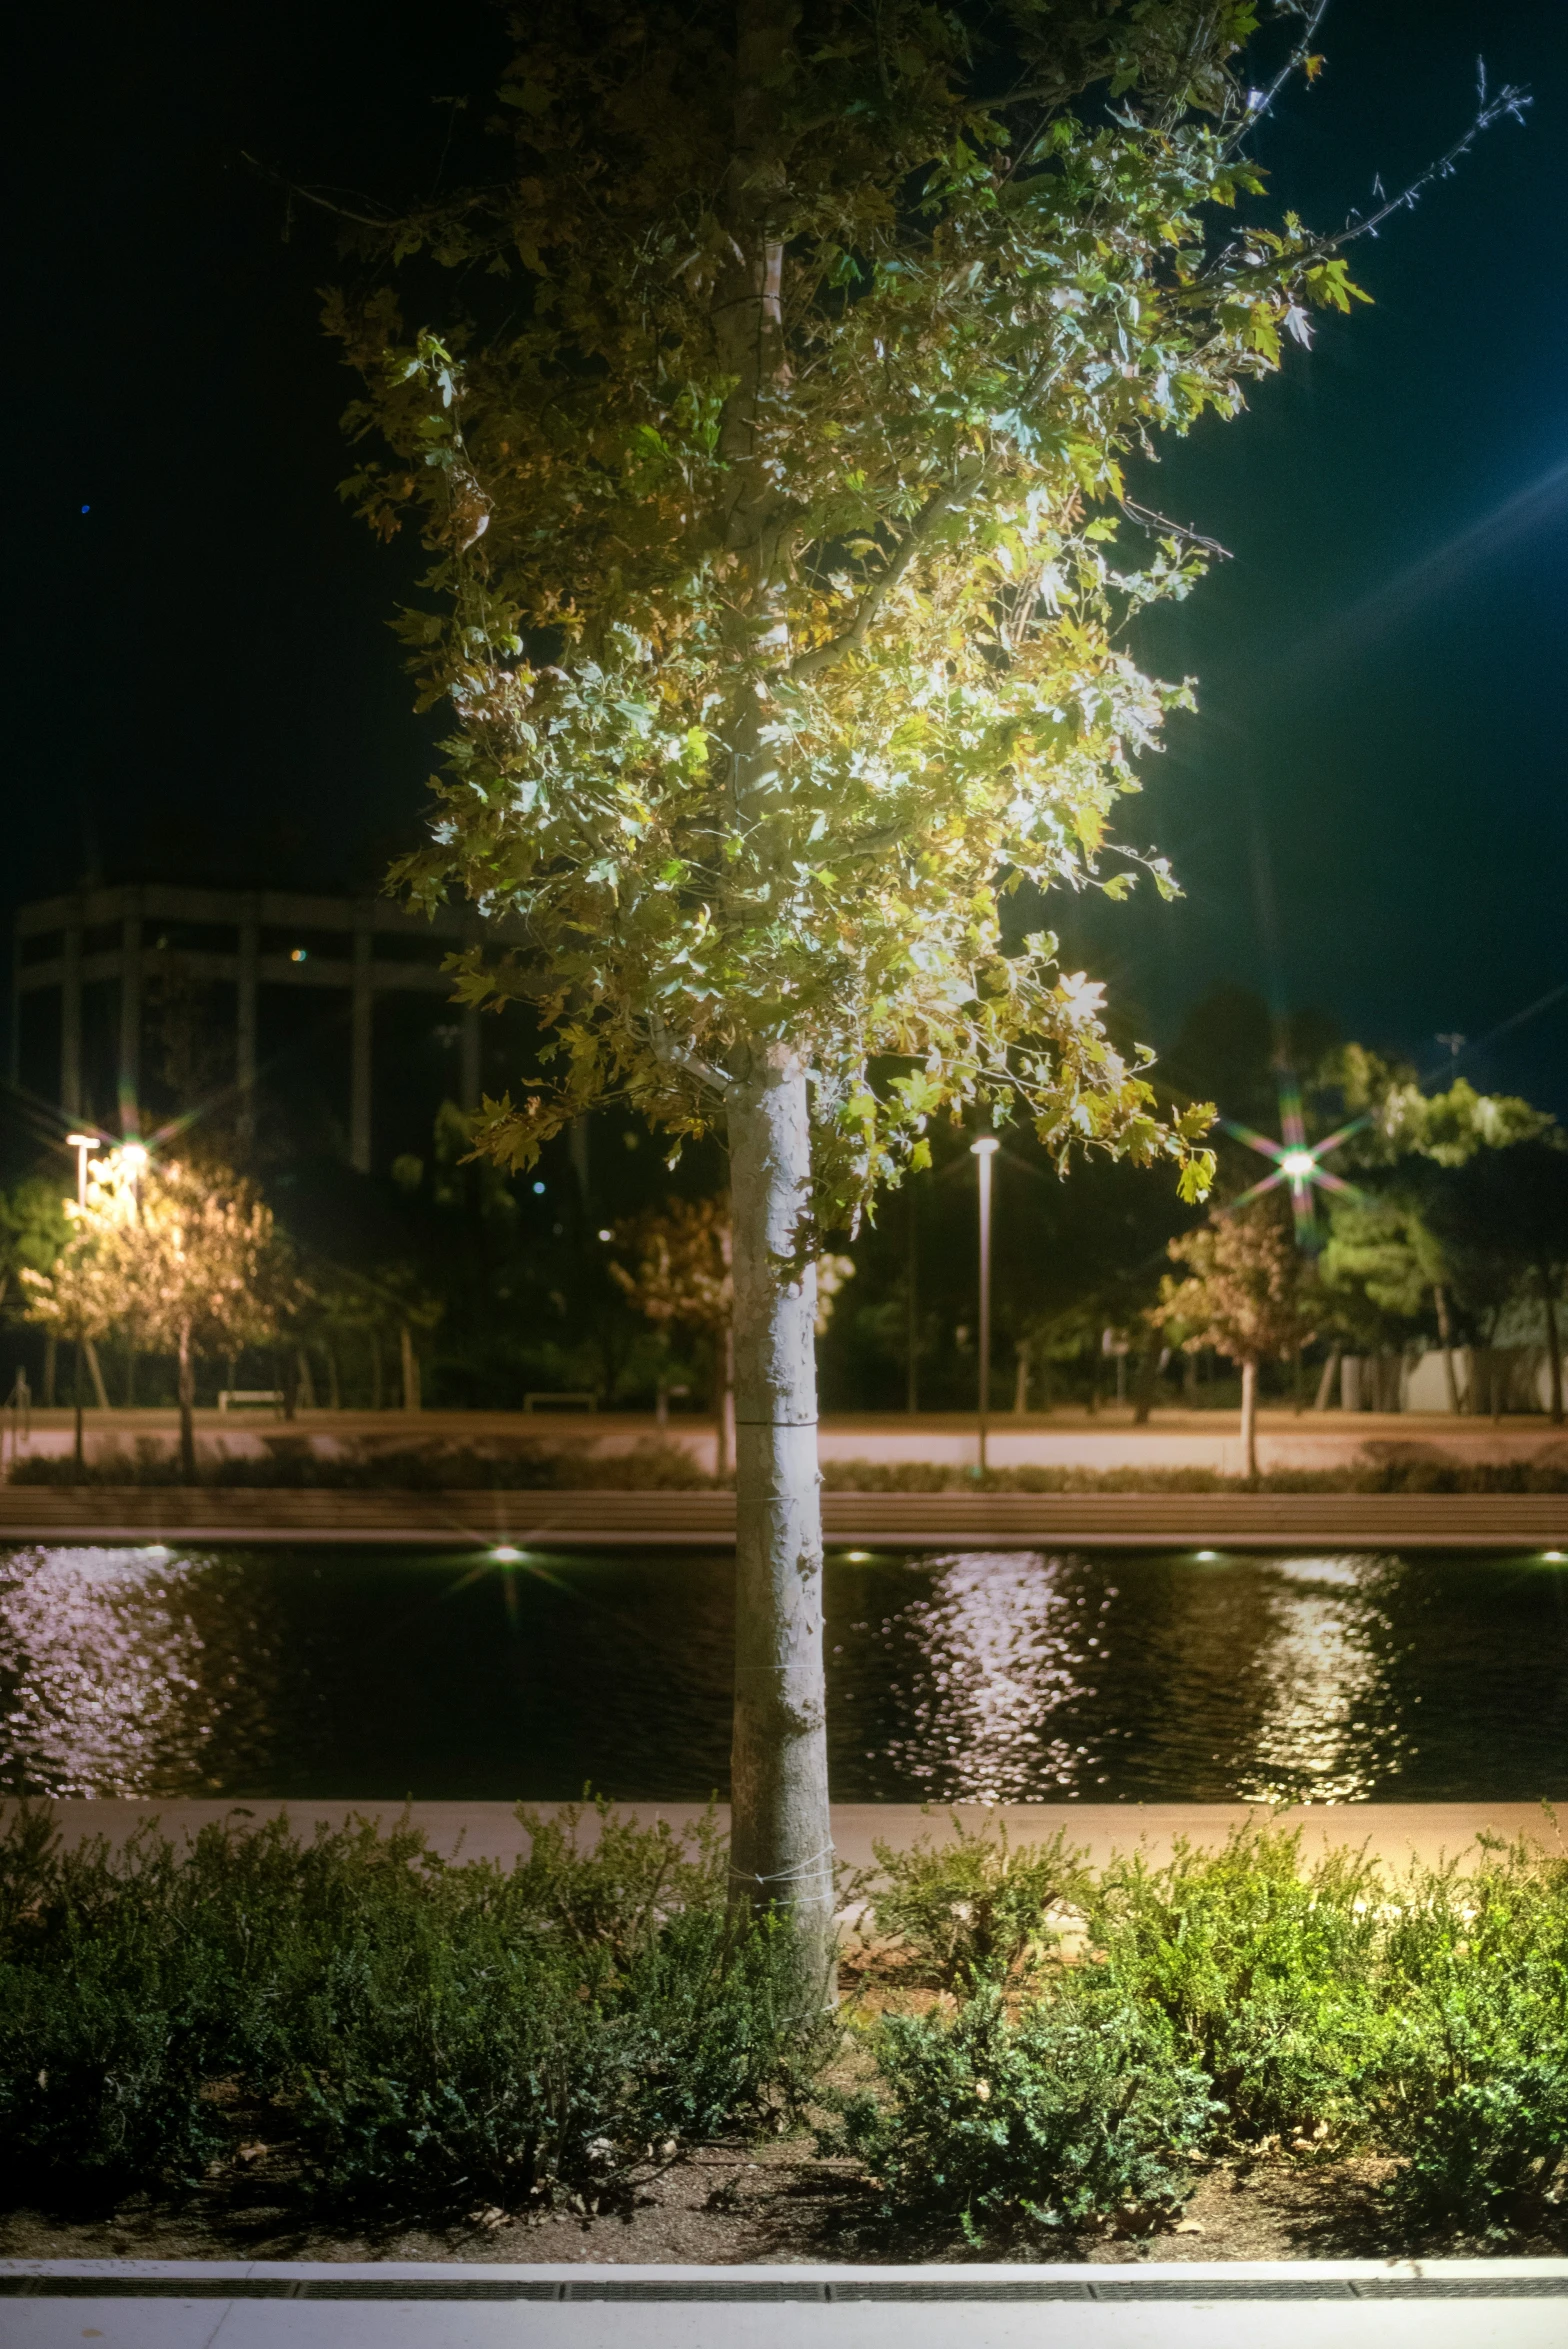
{"x":83,"y":967}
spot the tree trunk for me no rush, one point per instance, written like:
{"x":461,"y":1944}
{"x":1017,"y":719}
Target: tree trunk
{"x":51,"y":1373}
{"x":781,"y":1846}
{"x":334,"y":1385}
{"x":187,"y":1407}
{"x":76,"y":1398}
{"x":1144,"y":1383}
{"x":1446,"y":1340}
{"x":1554,"y":1345}
{"x":1021,"y":1381}
{"x":724,"y":1400}
{"x":307,"y":1385}
{"x":1325,"y":1394}
{"x":1189,"y":1383}
{"x":376,"y":1382}
{"x":95,"y":1372}
{"x":1249,"y":1419}
{"x":412,"y":1399}
{"x":912,"y":1308}
{"x":130,"y":1377}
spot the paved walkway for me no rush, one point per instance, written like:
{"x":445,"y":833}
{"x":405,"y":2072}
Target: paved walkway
{"x":1064,"y":1438}
{"x":1449,"y":2304}
{"x":920,"y":1521}
{"x":1392,"y":1832}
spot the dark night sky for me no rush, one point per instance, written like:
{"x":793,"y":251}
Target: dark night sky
{"x":200,"y":673}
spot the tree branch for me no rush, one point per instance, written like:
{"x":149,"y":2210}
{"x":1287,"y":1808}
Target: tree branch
{"x":940,"y":503}
{"x":1260,"y":102}
{"x":690,"y":1064}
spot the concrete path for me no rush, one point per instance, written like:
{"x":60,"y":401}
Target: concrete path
{"x":1171,"y":1438}
{"x":1392,"y":1832}
{"x":1333,"y":1522}
{"x":1447,"y":2304}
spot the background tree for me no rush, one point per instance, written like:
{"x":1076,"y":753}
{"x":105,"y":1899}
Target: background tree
{"x":769,"y":516}
{"x":1503,"y":1214}
{"x":186,"y":1258}
{"x":1248,"y":1292}
{"x":78,"y":1297}
{"x":34,"y":1230}
{"x":681,"y":1276}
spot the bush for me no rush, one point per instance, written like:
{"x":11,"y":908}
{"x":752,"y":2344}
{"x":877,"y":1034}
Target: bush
{"x":1267,"y":1975}
{"x":976,"y":1907}
{"x":1077,"y":2111}
{"x":421,"y":2034}
{"x":1472,"y":2087}
{"x":1319,"y":2010}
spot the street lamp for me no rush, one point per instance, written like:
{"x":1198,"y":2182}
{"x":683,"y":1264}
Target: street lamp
{"x":983,"y":1152}
{"x":81,"y":1144}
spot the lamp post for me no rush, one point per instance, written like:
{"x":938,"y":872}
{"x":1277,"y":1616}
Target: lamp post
{"x":81,"y":1144}
{"x":984,"y":1151}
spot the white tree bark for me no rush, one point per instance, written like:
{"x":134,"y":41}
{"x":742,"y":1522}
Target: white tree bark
{"x":781,"y":1852}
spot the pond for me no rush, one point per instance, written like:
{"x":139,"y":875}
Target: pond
{"x":977,"y":1677}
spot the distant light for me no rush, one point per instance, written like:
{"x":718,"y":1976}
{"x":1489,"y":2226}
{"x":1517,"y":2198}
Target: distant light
{"x":606,"y":1235}
{"x":858,"y":1557}
{"x":1555,"y":1557}
{"x":299,"y":954}
{"x":87,"y":509}
{"x":505,"y":1555}
{"x":134,"y":1155}
{"x":984,"y":1147}
{"x":1207,"y":1557}
{"x":538,"y":1190}
{"x":1299,"y":1165}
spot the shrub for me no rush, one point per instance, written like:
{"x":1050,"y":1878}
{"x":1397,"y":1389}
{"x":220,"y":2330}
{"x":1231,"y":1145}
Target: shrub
{"x":1076,"y":2111}
{"x":1266,"y":1974}
{"x":421,"y":2033}
{"x":975,"y":1907}
{"x":1472,"y":2087}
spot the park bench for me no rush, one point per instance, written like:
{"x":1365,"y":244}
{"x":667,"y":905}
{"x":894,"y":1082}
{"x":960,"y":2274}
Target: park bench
{"x":261,"y":1396}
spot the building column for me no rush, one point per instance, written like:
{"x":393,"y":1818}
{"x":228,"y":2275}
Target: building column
{"x":245,"y":1019}
{"x":470,"y":1078}
{"x":71,"y":1022}
{"x":131,"y":1026}
{"x":363,"y":1019}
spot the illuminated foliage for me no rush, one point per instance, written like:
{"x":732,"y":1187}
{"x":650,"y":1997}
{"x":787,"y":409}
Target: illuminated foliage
{"x":768,"y":689}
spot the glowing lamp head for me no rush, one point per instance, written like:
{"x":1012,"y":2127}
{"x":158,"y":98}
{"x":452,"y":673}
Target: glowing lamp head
{"x":81,"y":1141}
{"x":134,"y":1157}
{"x":505,"y":1555}
{"x":1300,"y":1165}
{"x":984,"y":1147}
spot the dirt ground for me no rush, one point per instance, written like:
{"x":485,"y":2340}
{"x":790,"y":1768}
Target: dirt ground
{"x":729,"y":2204}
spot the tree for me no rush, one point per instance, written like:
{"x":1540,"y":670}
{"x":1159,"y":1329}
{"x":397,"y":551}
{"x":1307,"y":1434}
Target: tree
{"x":1385,"y":1250}
{"x":1504,"y":1213}
{"x":184,"y":1257}
{"x":681,"y":1276}
{"x":770,"y":507}
{"x":56,"y":1248}
{"x":1248,"y":1293}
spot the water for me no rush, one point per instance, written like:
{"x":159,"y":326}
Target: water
{"x":973,"y":1677}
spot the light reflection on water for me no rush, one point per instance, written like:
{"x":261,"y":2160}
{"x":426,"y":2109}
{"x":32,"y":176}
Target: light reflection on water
{"x":976,"y":1677}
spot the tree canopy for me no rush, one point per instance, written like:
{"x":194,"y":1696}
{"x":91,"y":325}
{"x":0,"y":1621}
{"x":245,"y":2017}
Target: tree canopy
{"x":763,"y":701}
